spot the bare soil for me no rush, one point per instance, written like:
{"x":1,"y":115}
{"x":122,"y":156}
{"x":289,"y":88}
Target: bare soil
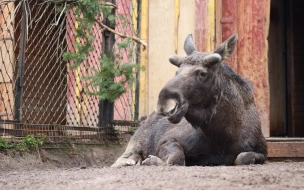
{"x":88,"y":167}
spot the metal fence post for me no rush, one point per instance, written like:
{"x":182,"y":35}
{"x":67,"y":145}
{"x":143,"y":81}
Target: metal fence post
{"x":106,"y":108}
{"x":20,"y":73}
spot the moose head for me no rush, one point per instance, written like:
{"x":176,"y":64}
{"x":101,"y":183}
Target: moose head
{"x":196,"y":88}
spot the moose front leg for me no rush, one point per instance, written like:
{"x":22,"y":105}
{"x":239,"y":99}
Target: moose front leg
{"x":170,"y":153}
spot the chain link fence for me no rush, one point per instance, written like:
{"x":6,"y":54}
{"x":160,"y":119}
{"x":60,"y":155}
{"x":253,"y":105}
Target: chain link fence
{"x":39,"y":94}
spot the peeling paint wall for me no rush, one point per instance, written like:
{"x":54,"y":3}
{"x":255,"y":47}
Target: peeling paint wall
{"x":252,"y":60}
{"x":165,"y":39}
{"x":211,"y":22}
{"x":250,"y":20}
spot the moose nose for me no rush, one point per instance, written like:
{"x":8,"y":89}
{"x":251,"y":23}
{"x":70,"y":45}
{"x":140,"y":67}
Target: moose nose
{"x":166,"y":108}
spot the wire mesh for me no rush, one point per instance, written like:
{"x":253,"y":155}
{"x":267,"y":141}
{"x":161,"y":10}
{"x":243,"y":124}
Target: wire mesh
{"x":125,"y":106}
{"x":33,"y":38}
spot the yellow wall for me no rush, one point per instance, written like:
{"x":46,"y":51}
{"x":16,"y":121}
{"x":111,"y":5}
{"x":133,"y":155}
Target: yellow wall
{"x":166,"y":33}
{"x":143,"y":75}
{"x":210,"y":25}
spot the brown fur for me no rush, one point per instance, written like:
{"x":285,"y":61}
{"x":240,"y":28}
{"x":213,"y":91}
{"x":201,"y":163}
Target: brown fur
{"x":206,"y":115}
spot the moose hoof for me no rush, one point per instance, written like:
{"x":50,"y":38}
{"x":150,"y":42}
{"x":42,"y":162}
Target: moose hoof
{"x":118,"y":164}
{"x":130,"y":162}
{"x":245,"y":158}
{"x":153,"y":161}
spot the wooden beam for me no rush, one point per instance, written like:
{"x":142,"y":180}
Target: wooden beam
{"x":229,"y":22}
{"x":143,"y":76}
{"x":285,"y":147}
{"x":200,"y":24}
{"x":210,"y":27}
{"x":176,"y":22}
{"x":205,"y":27}
{"x":218,"y":24}
{"x":252,"y":51}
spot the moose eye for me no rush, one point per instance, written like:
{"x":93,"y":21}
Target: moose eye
{"x":202,"y":74}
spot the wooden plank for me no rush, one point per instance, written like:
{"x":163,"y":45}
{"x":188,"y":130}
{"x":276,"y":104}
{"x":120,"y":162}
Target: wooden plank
{"x":143,"y":75}
{"x":205,"y":25}
{"x":252,"y":53}
{"x":277,"y":69}
{"x":176,"y":23}
{"x":285,"y":149}
{"x":200,"y":24}
{"x":284,"y":139}
{"x":229,"y":27}
{"x":299,"y":86}
{"x":298,"y":94}
{"x":210,"y":27}
{"x":297,"y":67}
{"x":299,"y":100}
{"x":218,"y":25}
{"x":299,"y":107}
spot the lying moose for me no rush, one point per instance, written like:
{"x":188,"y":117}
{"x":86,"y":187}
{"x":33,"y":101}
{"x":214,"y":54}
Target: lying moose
{"x":205,"y":115}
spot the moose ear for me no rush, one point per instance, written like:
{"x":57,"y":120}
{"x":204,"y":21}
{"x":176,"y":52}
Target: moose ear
{"x":189,"y":46}
{"x":227,"y":47}
{"x":212,"y":59}
{"x":175,"y":60}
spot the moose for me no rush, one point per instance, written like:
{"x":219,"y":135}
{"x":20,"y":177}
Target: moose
{"x":205,"y":115}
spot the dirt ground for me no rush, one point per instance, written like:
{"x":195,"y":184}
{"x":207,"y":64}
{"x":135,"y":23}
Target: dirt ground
{"x":276,"y":175}
{"x":88,"y":168}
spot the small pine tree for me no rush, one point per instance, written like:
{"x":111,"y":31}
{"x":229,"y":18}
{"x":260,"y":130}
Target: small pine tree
{"x":103,"y":80}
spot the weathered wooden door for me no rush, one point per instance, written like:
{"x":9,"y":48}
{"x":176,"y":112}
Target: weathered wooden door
{"x":275,"y":74}
{"x":277,"y":60}
{"x":295,"y":67}
{"x":216,"y":20}
{"x":250,"y":19}
{"x":286,"y":68}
